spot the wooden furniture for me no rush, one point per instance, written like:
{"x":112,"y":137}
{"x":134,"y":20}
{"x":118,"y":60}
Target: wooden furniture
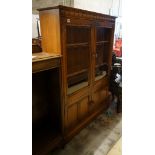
{"x":36,"y":45}
{"x":85,"y":41}
{"x":46,"y":104}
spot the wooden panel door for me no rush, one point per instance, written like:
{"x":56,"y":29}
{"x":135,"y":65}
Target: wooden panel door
{"x":99,"y":97}
{"x":83,"y":108}
{"x":76,"y":112}
{"x":71,"y":115}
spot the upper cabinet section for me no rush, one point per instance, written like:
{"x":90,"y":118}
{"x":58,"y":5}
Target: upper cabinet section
{"x":83,"y":38}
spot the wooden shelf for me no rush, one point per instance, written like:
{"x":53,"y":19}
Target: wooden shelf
{"x":78,"y":72}
{"x":101,"y":42}
{"x":78,"y":44}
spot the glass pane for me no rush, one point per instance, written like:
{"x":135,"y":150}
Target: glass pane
{"x":78,"y":39}
{"x":102,"y":52}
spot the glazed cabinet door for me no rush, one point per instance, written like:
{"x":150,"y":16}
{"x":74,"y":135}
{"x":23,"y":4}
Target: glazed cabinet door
{"x":101,"y":66}
{"x":78,"y":51}
{"x":102,"y":52}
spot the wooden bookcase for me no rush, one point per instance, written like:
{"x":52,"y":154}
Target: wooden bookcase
{"x":85,"y":41}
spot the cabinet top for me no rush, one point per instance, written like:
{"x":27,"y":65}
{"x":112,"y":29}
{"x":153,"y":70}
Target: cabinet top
{"x":65,"y":11}
{"x":43,"y":56}
{"x":44,"y":61}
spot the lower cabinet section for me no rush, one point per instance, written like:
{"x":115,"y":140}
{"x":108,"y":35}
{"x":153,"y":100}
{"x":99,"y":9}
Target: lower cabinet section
{"x":78,"y":111}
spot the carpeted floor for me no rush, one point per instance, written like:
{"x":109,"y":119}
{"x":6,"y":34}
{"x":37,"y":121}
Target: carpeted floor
{"x":96,"y":139}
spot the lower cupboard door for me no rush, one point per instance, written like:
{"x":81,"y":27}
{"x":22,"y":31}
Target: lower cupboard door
{"x":99,"y":98}
{"x":83,"y":106}
{"x":76,"y":112}
{"x":71,"y":115}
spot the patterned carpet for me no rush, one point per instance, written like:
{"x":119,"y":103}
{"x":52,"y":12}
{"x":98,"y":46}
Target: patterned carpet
{"x":96,"y":139}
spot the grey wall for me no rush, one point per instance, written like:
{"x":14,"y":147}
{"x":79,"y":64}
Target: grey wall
{"x":48,"y":3}
{"x":112,"y":7}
